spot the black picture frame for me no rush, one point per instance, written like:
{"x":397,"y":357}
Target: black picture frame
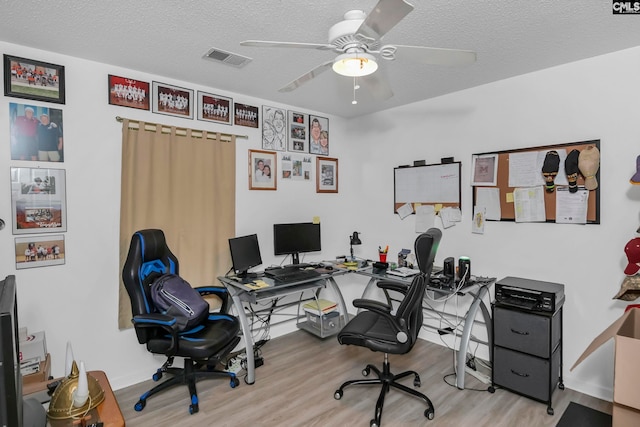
{"x":42,"y":81}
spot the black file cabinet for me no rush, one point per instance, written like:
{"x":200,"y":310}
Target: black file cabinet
{"x":527,"y":352}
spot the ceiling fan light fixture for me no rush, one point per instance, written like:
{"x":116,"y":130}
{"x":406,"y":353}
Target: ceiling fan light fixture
{"x":355,"y":64}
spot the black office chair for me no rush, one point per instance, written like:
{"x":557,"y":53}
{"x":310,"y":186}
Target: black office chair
{"x":380,"y":329}
{"x":202,"y":347}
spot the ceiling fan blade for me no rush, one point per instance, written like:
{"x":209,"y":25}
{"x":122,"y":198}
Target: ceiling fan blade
{"x":263,"y":43}
{"x":306,"y":77}
{"x":383,"y":18}
{"x":431,"y":55}
{"x":376,"y":85}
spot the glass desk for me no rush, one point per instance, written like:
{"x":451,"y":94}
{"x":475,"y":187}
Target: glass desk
{"x":477,"y":289}
{"x":241,"y":293}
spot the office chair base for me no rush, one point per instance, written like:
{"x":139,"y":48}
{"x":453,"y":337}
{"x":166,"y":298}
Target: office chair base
{"x":188,"y":376}
{"x":387,"y":380}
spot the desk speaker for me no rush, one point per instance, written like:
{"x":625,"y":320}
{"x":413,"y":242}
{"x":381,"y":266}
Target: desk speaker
{"x":464,"y":268}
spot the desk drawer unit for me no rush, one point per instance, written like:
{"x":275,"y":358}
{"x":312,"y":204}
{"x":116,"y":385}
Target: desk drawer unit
{"x":526,"y":374}
{"x":527,"y":352}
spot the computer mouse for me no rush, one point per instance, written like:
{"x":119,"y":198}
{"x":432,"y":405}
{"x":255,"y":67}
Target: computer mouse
{"x":328,"y":267}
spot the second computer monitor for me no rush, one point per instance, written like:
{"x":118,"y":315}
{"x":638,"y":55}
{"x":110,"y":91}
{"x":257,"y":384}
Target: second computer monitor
{"x":245,"y":254}
{"x":296,"y":238}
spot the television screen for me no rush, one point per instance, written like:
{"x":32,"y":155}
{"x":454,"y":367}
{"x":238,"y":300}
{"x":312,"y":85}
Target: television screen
{"x":10,"y":378}
{"x":296,"y":238}
{"x":245,"y":253}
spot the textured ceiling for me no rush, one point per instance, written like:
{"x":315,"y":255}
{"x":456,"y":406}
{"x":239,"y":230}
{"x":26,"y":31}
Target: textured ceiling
{"x":170,"y":37}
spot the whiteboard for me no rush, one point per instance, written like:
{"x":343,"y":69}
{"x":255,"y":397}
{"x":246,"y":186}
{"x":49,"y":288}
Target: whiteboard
{"x":429,"y":184}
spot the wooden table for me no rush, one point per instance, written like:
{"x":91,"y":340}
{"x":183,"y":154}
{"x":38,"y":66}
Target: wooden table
{"x":108,"y":411}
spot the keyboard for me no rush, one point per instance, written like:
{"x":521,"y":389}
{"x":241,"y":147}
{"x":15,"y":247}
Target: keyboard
{"x":286,"y":275}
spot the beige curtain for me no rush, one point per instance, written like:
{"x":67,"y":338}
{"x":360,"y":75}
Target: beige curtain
{"x":183,"y":184}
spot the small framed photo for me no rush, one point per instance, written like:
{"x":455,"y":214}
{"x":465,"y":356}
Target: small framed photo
{"x":274,"y":128}
{"x":298,"y":132}
{"x":319,"y":135}
{"x":245,"y":115}
{"x":36,"y":80}
{"x":38,"y":200}
{"x":172,"y":100}
{"x":127,"y":92}
{"x":485,"y":170}
{"x":36,"y":133}
{"x":39,"y":251}
{"x":326,"y":175}
{"x":214,"y":108}
{"x":262,"y":170}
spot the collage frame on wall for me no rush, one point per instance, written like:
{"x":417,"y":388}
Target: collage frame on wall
{"x":35,"y":80}
{"x":38,"y":200}
{"x":215,"y":108}
{"x":298,"y":131}
{"x":172,"y":100}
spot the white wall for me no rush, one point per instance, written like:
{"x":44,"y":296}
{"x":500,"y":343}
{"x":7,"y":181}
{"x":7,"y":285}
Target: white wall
{"x":592,"y":99}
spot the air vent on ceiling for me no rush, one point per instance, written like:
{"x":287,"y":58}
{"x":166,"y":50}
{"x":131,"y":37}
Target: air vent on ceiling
{"x":233,"y":59}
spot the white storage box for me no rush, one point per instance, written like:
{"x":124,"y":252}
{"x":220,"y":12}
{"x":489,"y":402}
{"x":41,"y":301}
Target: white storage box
{"x":35,"y":346}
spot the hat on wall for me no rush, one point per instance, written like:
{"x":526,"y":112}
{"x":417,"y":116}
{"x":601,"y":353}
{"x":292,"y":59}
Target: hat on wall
{"x":571,"y":169}
{"x":550,"y":169}
{"x":629,"y":289}
{"x":635,"y":179}
{"x":632,"y":250}
{"x":588,"y":163}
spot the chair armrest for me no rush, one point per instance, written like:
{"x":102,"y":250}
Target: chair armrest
{"x":393,"y":286}
{"x":384,"y":310}
{"x":158,"y":320}
{"x":219,"y":291}
{"x":372,"y":305}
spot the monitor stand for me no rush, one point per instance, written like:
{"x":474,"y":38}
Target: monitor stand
{"x":295,"y":258}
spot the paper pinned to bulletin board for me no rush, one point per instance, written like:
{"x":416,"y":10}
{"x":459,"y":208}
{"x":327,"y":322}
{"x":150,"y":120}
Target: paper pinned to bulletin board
{"x":436,"y":184}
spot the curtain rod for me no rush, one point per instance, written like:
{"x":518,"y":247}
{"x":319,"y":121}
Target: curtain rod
{"x":179,"y":130}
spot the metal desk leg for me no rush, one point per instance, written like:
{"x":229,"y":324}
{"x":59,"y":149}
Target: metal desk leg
{"x":248,"y":338}
{"x":367,"y":289}
{"x":342,"y":307}
{"x":466,"y":334}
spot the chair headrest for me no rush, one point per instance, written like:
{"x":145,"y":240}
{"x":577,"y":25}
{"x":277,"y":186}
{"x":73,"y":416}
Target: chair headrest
{"x":153,"y":244}
{"x":426,"y":247}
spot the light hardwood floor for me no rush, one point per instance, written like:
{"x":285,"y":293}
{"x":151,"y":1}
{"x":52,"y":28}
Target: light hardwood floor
{"x":295,"y":387}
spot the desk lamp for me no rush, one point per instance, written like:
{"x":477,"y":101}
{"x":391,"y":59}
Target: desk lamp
{"x":354,"y":240}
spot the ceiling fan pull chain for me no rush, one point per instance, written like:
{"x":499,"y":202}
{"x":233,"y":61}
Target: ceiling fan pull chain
{"x":355,"y":86}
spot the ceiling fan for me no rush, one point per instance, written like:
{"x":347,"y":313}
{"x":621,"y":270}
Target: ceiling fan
{"x":357,"y":40}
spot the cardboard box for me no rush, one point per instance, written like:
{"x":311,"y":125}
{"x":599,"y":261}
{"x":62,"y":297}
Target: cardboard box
{"x":42,"y":375}
{"x":626,"y":332}
{"x":34,"y":346}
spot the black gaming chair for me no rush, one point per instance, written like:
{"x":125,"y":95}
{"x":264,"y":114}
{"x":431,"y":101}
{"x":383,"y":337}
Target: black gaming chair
{"x":202,"y":347}
{"x":380,"y":329}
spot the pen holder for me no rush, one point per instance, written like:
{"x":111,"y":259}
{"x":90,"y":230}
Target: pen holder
{"x":383,"y":256}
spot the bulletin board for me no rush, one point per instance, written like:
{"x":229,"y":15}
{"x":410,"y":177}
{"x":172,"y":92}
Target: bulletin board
{"x":506,"y":202}
{"x":427,"y":185}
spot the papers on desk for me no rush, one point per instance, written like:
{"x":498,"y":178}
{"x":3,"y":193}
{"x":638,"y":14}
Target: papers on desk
{"x":403,"y":272}
{"x":257,"y":284}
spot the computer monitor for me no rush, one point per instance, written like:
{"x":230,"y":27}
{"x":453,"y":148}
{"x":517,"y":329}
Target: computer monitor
{"x":245,"y":254}
{"x":296,"y":238}
{"x":11,"y":411}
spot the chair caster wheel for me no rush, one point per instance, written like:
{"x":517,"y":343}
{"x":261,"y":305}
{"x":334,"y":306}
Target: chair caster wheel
{"x":366,"y":371}
{"x":193,"y":408}
{"x":235,"y":382}
{"x":337,"y":395}
{"x":373,"y":423}
{"x":550,"y":411}
{"x":491,"y":389}
{"x":429,"y":414}
{"x":139,"y":406}
{"x":157,"y":376}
